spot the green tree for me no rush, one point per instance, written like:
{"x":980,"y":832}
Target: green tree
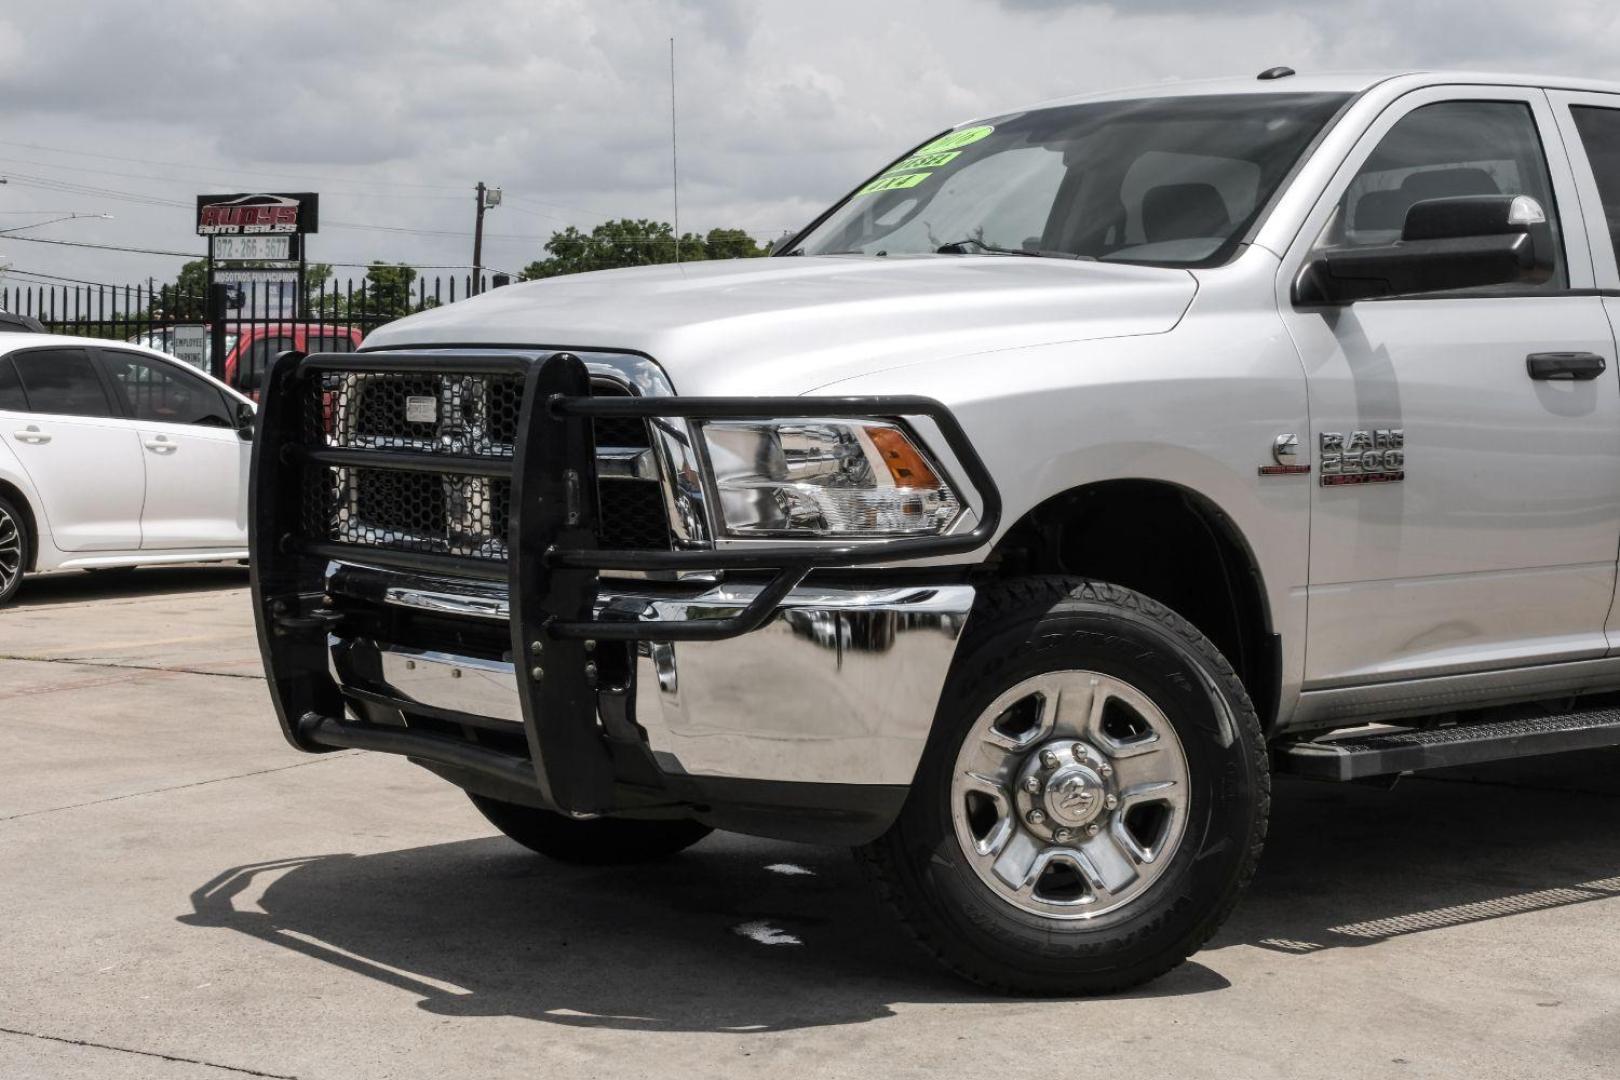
{"x":315,"y":275}
{"x":388,"y":289}
{"x":731,"y":244}
{"x":635,"y":242}
{"x":186,"y":299}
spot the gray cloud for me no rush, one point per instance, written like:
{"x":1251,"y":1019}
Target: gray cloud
{"x":394,"y":108}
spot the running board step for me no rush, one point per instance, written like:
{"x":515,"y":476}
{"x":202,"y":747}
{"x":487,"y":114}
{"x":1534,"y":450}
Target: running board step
{"x":1360,"y":755}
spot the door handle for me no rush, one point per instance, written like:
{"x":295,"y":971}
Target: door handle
{"x":31,"y":434}
{"x":161,"y":445}
{"x":1564,"y":366}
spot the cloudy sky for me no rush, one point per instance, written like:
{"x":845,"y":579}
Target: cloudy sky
{"x":393,"y":109}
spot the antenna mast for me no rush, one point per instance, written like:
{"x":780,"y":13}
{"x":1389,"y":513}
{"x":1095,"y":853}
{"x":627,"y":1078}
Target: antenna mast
{"x":674,"y":152}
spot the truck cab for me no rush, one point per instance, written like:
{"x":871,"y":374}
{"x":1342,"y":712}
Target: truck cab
{"x":1080,"y":469}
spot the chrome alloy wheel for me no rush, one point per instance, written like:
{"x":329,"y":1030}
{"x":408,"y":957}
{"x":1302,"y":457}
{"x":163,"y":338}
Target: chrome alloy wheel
{"x":11,"y":550}
{"x":1070,"y":794}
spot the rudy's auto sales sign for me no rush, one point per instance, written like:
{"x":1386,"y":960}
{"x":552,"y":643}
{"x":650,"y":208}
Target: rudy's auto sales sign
{"x":234,"y":215}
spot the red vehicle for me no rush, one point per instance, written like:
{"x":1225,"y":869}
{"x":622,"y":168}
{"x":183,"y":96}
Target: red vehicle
{"x":258,"y":345}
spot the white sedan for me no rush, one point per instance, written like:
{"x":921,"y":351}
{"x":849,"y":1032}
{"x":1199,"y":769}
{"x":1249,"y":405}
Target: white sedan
{"x":113,"y":455}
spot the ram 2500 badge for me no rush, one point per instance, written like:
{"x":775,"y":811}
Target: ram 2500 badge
{"x":1014,"y":524}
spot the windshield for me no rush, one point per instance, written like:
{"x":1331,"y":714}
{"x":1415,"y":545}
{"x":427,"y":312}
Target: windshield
{"x":1168,"y":181}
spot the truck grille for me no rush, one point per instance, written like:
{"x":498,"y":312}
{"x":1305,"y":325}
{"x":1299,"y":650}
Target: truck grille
{"x":455,"y":514}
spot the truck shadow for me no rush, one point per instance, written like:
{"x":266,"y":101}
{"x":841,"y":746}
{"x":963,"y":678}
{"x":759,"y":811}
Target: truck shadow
{"x":743,"y":935}
{"x":1349,"y":866}
{"x":78,"y":587}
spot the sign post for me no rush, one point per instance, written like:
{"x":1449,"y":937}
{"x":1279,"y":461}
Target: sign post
{"x":217,"y":299}
{"x":254,"y":240}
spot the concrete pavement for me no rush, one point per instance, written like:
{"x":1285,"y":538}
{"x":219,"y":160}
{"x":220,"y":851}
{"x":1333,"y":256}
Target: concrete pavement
{"x":182,"y":895}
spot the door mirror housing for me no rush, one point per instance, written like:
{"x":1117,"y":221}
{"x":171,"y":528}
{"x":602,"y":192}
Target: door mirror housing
{"x":1446,"y":244}
{"x":247,"y":419}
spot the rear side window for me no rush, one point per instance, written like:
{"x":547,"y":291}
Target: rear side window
{"x":62,"y":382}
{"x":1600,"y":134}
{"x":163,"y":393}
{"x":12,"y":398}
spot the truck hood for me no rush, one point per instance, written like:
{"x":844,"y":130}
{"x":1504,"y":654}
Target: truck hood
{"x":790,"y":325}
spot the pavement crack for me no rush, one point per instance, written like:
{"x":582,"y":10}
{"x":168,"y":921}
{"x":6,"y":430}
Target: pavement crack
{"x":323,"y":759}
{"x":145,"y":1053}
{"x":75,"y":661}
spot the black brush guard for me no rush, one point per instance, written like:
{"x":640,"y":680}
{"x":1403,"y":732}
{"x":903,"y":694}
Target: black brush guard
{"x":584,"y":755}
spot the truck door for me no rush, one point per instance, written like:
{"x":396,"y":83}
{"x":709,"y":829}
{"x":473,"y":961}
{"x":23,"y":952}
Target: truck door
{"x":1476,"y":529}
{"x":1590,"y":124}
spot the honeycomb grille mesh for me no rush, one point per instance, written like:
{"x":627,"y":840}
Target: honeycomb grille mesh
{"x":426,"y":412}
{"x":423,"y":412}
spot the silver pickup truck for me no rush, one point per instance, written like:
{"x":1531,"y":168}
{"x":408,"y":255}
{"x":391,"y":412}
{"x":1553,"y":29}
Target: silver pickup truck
{"x":1014,"y":524}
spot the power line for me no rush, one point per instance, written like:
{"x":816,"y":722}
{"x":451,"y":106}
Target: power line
{"x":350,"y":180}
{"x":68,"y":187}
{"x":226,"y":172}
{"x":102,"y":247}
{"x":189,"y":180}
{"x":12,"y":271}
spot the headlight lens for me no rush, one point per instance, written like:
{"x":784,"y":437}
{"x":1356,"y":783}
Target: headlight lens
{"x":825,"y":478}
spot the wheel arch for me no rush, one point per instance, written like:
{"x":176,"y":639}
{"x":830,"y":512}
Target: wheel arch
{"x":14,"y":495}
{"x":1168,"y":542}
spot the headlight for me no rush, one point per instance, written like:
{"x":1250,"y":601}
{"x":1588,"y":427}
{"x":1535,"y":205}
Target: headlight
{"x":825,"y":478}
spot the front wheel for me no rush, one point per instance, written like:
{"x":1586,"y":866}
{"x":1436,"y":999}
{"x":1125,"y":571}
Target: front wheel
{"x":1093,"y":800}
{"x":590,"y":841}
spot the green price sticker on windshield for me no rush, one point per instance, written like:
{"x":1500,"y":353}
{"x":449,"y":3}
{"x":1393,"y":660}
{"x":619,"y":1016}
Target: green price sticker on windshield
{"x":942,"y":151}
{"x":894,"y":182}
{"x":958,"y":139}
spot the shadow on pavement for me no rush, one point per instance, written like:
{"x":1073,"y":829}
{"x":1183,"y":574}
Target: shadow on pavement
{"x":80,"y":586}
{"x":1349,"y":865}
{"x":745,"y":935}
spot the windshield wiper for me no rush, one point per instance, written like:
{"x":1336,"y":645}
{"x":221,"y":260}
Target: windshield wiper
{"x":968,"y":245}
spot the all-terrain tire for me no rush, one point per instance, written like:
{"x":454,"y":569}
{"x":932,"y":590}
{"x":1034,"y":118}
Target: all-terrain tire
{"x":1022,"y":629}
{"x":590,"y":841}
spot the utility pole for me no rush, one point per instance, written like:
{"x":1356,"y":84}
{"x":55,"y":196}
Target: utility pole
{"x":478,"y":244}
{"x":488,"y":199}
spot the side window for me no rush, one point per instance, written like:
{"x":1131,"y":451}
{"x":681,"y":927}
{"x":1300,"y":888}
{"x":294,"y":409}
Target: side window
{"x":62,"y":382}
{"x":162,"y":393}
{"x":12,"y":398}
{"x":257,"y":360}
{"x":1446,"y":150}
{"x":340,"y":343}
{"x":1600,"y":134}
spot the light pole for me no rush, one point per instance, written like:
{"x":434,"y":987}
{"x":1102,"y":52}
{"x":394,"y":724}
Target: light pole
{"x":53,"y":221}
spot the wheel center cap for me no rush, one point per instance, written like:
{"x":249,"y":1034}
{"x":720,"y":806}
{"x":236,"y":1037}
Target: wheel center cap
{"x":1074,"y":795}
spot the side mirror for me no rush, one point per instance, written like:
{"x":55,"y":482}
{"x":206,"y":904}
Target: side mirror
{"x":247,"y":419}
{"x":1445,"y":244}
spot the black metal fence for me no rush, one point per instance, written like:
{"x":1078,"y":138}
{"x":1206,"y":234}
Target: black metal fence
{"x":261,"y":319}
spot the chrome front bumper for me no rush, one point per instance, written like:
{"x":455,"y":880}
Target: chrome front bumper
{"x":838,"y":687}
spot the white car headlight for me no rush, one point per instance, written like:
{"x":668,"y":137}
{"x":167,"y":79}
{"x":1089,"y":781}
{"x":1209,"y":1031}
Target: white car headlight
{"x":833,"y":478}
